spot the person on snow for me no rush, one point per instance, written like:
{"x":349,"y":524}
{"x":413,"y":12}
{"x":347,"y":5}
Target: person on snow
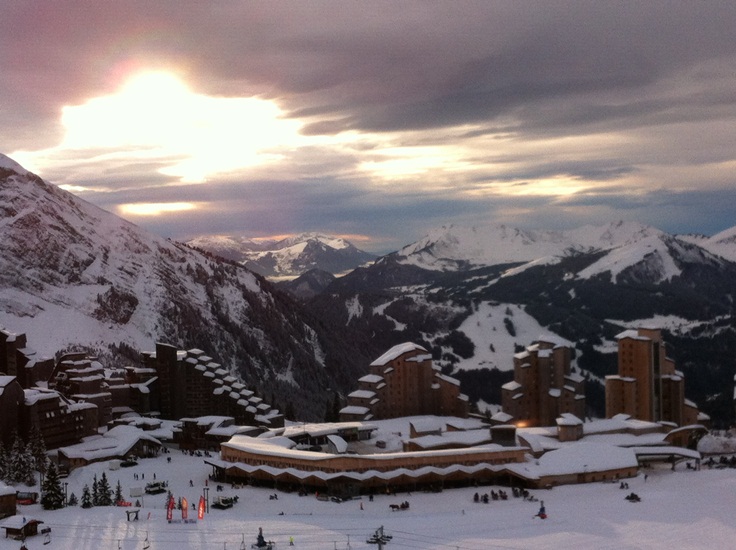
{"x":542,"y":512}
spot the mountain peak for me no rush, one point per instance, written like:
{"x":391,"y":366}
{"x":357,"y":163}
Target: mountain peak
{"x":6,"y":163}
{"x":290,"y":257}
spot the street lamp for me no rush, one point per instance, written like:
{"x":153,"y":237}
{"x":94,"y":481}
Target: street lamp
{"x":66,"y":493}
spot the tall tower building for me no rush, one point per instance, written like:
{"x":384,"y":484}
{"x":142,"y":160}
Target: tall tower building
{"x":648,"y":387}
{"x":544,"y":386}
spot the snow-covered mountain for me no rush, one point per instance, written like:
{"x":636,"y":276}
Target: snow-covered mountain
{"x":474,"y":296}
{"x":74,"y":275}
{"x":624,"y":246}
{"x":307,"y":285}
{"x":287,"y":258}
{"x":721,"y":244}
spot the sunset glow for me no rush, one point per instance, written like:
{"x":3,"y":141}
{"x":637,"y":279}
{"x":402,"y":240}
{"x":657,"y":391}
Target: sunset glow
{"x":156,"y":117}
{"x":155,"y":209}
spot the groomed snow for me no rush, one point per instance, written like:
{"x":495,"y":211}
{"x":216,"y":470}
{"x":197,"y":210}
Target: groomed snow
{"x":683,"y":509}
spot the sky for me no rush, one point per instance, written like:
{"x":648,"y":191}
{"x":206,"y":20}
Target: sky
{"x":376,"y":120}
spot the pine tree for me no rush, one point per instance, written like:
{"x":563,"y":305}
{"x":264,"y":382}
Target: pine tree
{"x":72,"y":500}
{"x":20,"y":464}
{"x":28,"y":466}
{"x":105,"y":491}
{"x":37,"y":448}
{"x":95,"y":491}
{"x":86,"y":497}
{"x":118,"y":493}
{"x":52,"y":495}
{"x":12,"y":463}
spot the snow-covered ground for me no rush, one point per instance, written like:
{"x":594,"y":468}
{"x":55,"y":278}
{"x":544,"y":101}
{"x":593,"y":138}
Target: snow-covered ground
{"x":681,"y":509}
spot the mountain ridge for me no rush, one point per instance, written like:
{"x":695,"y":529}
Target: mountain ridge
{"x":72,"y":274}
{"x":289,"y":257}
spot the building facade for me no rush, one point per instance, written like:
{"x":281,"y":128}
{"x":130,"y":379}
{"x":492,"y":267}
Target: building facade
{"x":544,"y":387}
{"x":648,"y":387}
{"x":191,"y":384}
{"x":60,"y":421}
{"x":404,"y":382}
{"x":82,"y":379}
{"x":11,"y":401}
{"x":17,"y":359}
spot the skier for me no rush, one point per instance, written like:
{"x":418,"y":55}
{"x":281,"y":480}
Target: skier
{"x":542,"y":512}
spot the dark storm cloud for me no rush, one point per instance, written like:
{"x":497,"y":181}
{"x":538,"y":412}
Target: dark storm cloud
{"x":370,"y":65}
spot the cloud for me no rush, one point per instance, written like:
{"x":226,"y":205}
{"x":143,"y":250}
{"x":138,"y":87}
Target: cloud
{"x":401,"y":116}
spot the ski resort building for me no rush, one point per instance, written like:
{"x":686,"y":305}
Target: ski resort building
{"x":11,"y":400}
{"x":82,"y":378}
{"x":404,"y":382}
{"x":60,"y":420}
{"x":282,"y":461}
{"x":17,"y":359}
{"x":191,"y":384}
{"x":648,"y":386}
{"x":121,"y":442}
{"x":350,"y":458}
{"x":544,"y":386}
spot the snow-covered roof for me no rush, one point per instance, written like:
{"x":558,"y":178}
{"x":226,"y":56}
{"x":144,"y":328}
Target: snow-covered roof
{"x":211,"y":421}
{"x":557,"y":341}
{"x":631,"y":333}
{"x":316,"y":429}
{"x":371,"y":378}
{"x":465,"y":423}
{"x":33,"y":395}
{"x":353,"y":409}
{"x":619,"y":422}
{"x":266,"y":446}
{"x":580,"y":457}
{"x":341,"y":446}
{"x":501,"y":416}
{"x":397,"y":351}
{"x":424,"y":424}
{"x":463,"y":438}
{"x":568,"y":419}
{"x":362,"y":394}
{"x":115,"y":442}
